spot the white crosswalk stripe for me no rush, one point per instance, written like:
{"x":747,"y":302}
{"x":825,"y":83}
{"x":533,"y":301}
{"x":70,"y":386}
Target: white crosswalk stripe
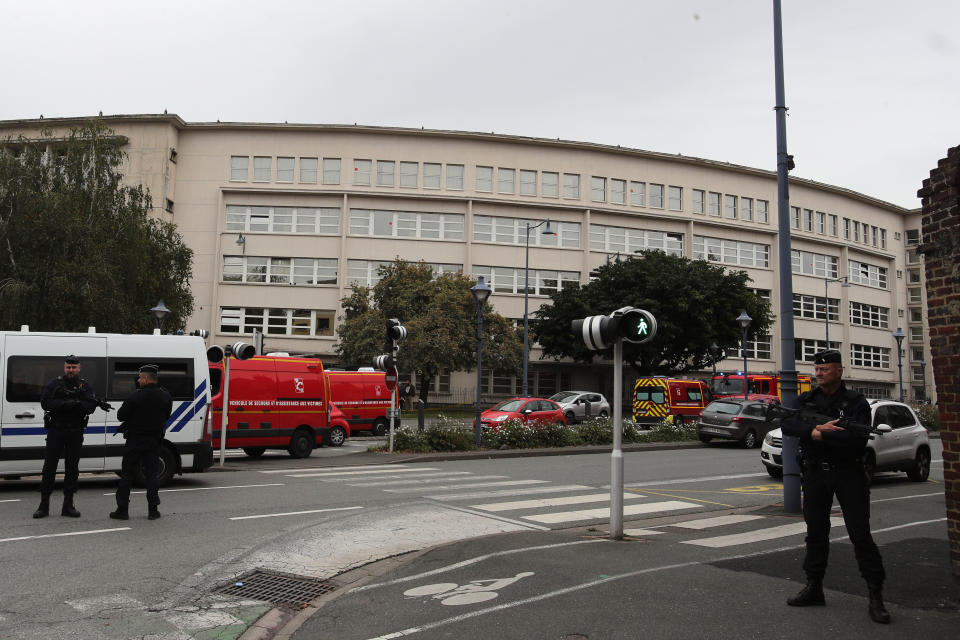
{"x":387,"y":468}
{"x":474,"y":485}
{"x":757,"y":535}
{"x":430,"y":474}
{"x":550,"y":502}
{"x":422,"y":481}
{"x":505,"y":493}
{"x":604,"y":514}
{"x":718,"y":521}
{"x":366,"y":472}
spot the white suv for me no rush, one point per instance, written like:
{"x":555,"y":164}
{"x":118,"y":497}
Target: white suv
{"x":901,"y":445}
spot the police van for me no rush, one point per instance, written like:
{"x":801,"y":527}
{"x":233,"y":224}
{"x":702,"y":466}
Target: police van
{"x":109,"y":363}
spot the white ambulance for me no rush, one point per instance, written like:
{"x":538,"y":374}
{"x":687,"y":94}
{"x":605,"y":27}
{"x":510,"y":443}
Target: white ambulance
{"x":109,"y":362}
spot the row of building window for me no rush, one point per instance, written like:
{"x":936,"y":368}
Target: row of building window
{"x":747,"y":254}
{"x":828,"y":224}
{"x":623,"y":240}
{"x":861,"y":314}
{"x":276,"y":322}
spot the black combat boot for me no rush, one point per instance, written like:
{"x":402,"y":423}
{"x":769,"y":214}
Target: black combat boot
{"x":120,"y":513}
{"x":68,"y":509}
{"x":153,"y":514}
{"x":44,"y":509}
{"x":878,"y":612}
{"x":810,"y":596}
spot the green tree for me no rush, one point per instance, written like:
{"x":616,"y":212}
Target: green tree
{"x":440,"y":315}
{"x":695,"y":304}
{"x":77,"y":245}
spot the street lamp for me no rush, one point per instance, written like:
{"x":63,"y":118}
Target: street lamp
{"x":480,"y":291}
{"x":923,"y":374}
{"x":744,"y":321}
{"x":899,"y":335}
{"x":159,"y":313}
{"x":526,"y":296}
{"x":826,"y":305}
{"x":714,"y":352}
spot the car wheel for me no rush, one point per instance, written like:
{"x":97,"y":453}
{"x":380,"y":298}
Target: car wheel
{"x":775,"y":473}
{"x":254,"y":452}
{"x":750,"y":440}
{"x":678,"y":420}
{"x":338,"y":435}
{"x":569,"y":416}
{"x":602,"y":414}
{"x":869,"y":466}
{"x":380,"y":427}
{"x":301,"y":444}
{"x":921,"y":466}
{"x":704,"y":439}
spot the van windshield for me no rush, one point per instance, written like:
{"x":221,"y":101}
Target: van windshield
{"x":726,"y":385}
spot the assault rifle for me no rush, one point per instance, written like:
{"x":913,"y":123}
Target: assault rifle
{"x":810,"y":416}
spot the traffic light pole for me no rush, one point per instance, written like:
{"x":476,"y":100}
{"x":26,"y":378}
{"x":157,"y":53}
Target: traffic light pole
{"x":393,"y":415}
{"x":616,"y":457}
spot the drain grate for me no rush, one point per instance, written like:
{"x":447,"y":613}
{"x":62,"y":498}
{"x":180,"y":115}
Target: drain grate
{"x":278,"y":589}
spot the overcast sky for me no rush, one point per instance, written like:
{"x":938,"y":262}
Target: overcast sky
{"x":872,"y":85}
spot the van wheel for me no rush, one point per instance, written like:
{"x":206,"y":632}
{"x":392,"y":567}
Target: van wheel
{"x":380,"y":427}
{"x":338,"y":435}
{"x":301,"y":444}
{"x":254,"y":452}
{"x":165,"y":469}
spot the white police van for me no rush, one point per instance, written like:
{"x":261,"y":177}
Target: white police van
{"x":109,"y":362}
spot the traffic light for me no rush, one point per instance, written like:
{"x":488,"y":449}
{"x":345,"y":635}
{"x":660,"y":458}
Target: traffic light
{"x":239,"y":350}
{"x":396,"y":332}
{"x":628,"y":323}
{"x":383,"y":363}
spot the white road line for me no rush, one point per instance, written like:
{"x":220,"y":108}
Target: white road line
{"x":11,"y":500}
{"x":61,"y":535}
{"x":508,"y":492}
{"x":550,"y":502}
{"x":353,"y":468}
{"x":474,"y":485}
{"x":429,"y":481}
{"x":758,"y":535}
{"x":656,"y":483}
{"x":232,"y":486}
{"x":340,"y":474}
{"x":432,"y":474}
{"x":293,"y":513}
{"x":921,"y":495}
{"x":628,"y":510}
{"x":637,"y":533}
{"x":719,"y":521}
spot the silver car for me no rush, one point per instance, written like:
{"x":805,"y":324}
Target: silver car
{"x":574,"y":405}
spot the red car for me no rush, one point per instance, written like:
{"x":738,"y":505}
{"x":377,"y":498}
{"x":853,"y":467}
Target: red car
{"x":527,"y":410}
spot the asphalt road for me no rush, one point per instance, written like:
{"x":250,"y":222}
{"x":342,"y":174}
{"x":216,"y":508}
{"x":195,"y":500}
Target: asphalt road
{"x":99,"y":578}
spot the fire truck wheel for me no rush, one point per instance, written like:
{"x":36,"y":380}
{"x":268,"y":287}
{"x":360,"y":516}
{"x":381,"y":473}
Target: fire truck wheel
{"x":254,"y":452}
{"x":301,"y":443}
{"x":338,"y":435}
{"x":380,"y":427}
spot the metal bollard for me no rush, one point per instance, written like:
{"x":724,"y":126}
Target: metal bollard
{"x":421,"y":406}
{"x":586,"y":409}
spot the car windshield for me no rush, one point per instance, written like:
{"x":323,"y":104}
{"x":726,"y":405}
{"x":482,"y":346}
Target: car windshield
{"x":564,"y":396}
{"x":726,"y":385}
{"x":509,"y":405}
{"x":728,"y":408}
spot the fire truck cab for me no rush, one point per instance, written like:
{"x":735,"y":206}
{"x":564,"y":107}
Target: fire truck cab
{"x":655,"y":398}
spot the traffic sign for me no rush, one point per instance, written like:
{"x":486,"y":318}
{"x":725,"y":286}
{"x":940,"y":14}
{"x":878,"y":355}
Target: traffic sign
{"x":391,"y":378}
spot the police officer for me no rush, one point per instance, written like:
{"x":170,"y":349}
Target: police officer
{"x":832,"y":463}
{"x":67,"y":400}
{"x":144,"y":419}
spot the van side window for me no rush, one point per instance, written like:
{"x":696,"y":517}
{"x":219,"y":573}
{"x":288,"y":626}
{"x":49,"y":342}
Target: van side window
{"x":694,"y":395}
{"x":176,"y":376}
{"x":216,"y":376}
{"x":28,"y":375}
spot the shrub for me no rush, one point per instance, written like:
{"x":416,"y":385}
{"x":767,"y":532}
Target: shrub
{"x":594,"y":431}
{"x":512,"y":434}
{"x":929,"y":416}
{"x":448,"y":438}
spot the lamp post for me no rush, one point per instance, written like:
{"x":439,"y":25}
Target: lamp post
{"x":159,"y":313}
{"x":714,"y":351}
{"x":744,"y":321}
{"x":898,"y":335}
{"x":480,"y":291}
{"x":826,"y":305}
{"x":526,"y":296}
{"x":923,"y":374}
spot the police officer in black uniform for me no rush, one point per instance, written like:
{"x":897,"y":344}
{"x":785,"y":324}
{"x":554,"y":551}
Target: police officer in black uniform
{"x":68,"y":400}
{"x":832,"y":463}
{"x":144,"y":419}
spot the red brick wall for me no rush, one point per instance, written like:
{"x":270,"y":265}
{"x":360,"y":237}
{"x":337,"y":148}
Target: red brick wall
{"x":941,"y":249}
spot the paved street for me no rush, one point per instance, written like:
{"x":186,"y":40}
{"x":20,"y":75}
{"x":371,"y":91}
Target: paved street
{"x":336,"y":512}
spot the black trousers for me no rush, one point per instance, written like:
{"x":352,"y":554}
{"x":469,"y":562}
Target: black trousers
{"x":139,"y":450}
{"x":66,"y":444}
{"x":849,"y":484}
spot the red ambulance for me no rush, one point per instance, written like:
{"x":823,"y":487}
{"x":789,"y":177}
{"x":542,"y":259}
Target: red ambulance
{"x":276,"y":402}
{"x":363,"y":398}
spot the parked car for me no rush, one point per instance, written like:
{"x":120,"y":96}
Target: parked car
{"x":902,"y":445}
{"x":574,"y":405}
{"x":527,"y":410}
{"x":736,"y":419}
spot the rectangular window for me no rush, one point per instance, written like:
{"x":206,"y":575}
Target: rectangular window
{"x":756,"y":349}
{"x":808,"y":219}
{"x":913,"y":276}
{"x":846,"y":228}
{"x":656,"y":196}
{"x":914,"y":295}
{"x":638,"y":192}
{"x":675,"y":198}
{"x":725,"y":251}
{"x":821,"y":222}
{"x":869,"y":315}
{"x":806,"y":349}
{"x":713,"y":204}
{"x":262,"y":166}
{"x":485,"y":179}
{"x":698,"y":200}
{"x":832,"y":225}
{"x":511,"y":280}
{"x":323,"y":220}
{"x":571,"y":186}
{"x":331,"y":171}
{"x":862,"y":355}
{"x":746,"y":208}
{"x":282,"y":322}
{"x":239,"y":168}
{"x":730,"y":207}
{"x":598,"y":189}
{"x":916,"y":314}
{"x":308,"y":170}
{"x":612,"y":239}
{"x":431,"y":175}
{"x":867,"y":274}
{"x":883,"y":238}
{"x":409,"y":174}
{"x":406,"y":224}
{"x":505,"y":180}
{"x":285,"y":169}
{"x":550,"y":184}
{"x":618,"y":191}
{"x":812,"y":308}
{"x":916,"y":334}
{"x":763,"y":211}
{"x":913,"y":256}
{"x":815,"y":264}
{"x":794,"y":217}
{"x":455,"y":177}
{"x":528,"y":182}
{"x":514,"y":231}
{"x":913,"y":237}
{"x":385,"y":173}
{"x":361,"y":171}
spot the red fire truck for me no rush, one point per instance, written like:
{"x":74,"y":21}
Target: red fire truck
{"x":725,"y":384}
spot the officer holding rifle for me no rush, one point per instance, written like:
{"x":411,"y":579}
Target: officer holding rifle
{"x":832,"y":464}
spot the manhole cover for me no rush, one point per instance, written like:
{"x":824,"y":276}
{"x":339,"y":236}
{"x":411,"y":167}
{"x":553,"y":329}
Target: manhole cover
{"x":278,"y":589}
